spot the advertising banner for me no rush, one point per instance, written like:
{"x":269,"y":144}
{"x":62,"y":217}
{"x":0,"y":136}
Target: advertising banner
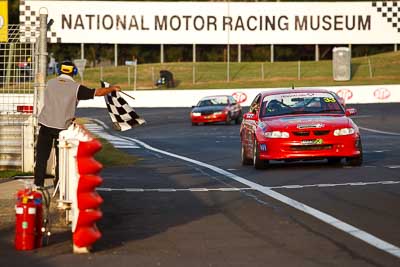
{"x":3,"y":21}
{"x":375,"y":22}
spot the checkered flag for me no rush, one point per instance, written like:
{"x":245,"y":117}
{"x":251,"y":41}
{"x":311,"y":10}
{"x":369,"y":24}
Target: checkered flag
{"x":390,"y":10}
{"x":122,"y":115}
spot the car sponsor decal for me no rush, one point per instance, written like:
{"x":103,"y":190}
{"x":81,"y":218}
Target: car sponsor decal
{"x":310,"y":125}
{"x":382,"y":93}
{"x":312,"y":142}
{"x":346,"y":94}
{"x":308,"y":119}
{"x":240,"y":97}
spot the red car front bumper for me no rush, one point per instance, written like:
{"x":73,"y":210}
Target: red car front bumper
{"x":209,"y":118}
{"x":335,"y":146}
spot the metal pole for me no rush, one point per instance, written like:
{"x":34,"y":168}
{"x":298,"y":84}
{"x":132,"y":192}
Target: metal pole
{"x":101,"y":73}
{"x":228,"y":63}
{"x":115,"y":55}
{"x":194,"y":74}
{"x":298,"y":70}
{"x":161,"y":53}
{"x":262,"y":71}
{"x":82,"y":51}
{"x":194,"y":53}
{"x":370,"y":68}
{"x":395,"y":47}
{"x":129,"y":77}
{"x":42,"y":70}
{"x":135,"y":76}
{"x":152,"y":77}
{"x":272,"y":52}
{"x":239,"y":53}
{"x":228,"y":54}
{"x":316,"y":52}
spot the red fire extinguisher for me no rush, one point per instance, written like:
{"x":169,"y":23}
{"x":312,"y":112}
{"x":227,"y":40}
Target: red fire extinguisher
{"x":29,"y":220}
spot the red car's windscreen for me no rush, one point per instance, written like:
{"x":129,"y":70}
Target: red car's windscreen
{"x":213,"y":101}
{"x":300,"y":103}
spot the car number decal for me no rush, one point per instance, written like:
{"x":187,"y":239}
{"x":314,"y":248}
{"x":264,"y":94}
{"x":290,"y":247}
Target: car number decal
{"x":329,"y":100}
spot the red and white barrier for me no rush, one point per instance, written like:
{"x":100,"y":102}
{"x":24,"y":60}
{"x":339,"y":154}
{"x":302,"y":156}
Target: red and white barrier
{"x":187,"y":98}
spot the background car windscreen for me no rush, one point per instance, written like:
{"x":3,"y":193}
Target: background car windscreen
{"x":215,"y":101}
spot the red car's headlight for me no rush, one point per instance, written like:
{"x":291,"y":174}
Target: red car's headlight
{"x":276,"y":134}
{"x":343,"y":131}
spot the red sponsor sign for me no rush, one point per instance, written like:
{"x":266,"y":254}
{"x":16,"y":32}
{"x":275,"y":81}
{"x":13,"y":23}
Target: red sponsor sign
{"x":240,"y":97}
{"x":382,"y":93}
{"x":346,"y":94}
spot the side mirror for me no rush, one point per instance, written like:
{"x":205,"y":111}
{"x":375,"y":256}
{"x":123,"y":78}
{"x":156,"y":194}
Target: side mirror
{"x":250,"y":116}
{"x":351,"y":112}
{"x":193,"y":107}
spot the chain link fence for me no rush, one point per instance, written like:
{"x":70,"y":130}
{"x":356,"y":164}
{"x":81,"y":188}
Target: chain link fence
{"x":17,"y":74}
{"x":17,"y":95}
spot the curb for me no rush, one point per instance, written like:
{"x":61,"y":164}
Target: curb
{"x":5,"y":180}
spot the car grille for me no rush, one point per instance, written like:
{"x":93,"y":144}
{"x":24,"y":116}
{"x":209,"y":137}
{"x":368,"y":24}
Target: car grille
{"x":207,"y":112}
{"x":302,"y":133}
{"x":307,"y":133}
{"x":311,"y":147}
{"x":321,"y":132}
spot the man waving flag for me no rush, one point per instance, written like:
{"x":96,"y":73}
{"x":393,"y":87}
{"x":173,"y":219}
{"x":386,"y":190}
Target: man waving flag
{"x":122,"y":115}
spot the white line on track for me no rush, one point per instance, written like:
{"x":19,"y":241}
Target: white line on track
{"x":378,"y":131}
{"x":168,"y":190}
{"x":351,"y":230}
{"x":235,"y":189}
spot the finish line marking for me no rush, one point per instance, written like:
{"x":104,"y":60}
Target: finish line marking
{"x":345,"y":227}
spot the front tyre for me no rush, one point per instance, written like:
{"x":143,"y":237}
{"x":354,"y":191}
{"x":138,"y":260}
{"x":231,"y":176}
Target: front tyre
{"x":356,"y":161}
{"x":238,"y":120}
{"x":257,"y":162}
{"x":228,"y":119}
{"x":244,"y":159}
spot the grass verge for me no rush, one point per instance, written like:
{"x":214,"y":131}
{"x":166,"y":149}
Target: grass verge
{"x":376,"y":69}
{"x":109,"y":156}
{"x":11,"y":173}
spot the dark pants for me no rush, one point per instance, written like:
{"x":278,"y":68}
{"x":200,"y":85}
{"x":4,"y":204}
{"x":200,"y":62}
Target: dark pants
{"x":46,"y":139}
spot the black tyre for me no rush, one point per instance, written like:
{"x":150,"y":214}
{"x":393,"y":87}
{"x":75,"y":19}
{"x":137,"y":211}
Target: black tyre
{"x":356,"y":161}
{"x":244,"y":159}
{"x":228,"y":119}
{"x":257,"y":162}
{"x":194,"y":124}
{"x":239,"y":118}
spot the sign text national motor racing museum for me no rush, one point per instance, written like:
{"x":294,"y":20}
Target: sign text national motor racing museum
{"x":217,"y":22}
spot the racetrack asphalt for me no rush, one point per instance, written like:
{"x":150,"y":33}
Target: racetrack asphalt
{"x":168,"y":212}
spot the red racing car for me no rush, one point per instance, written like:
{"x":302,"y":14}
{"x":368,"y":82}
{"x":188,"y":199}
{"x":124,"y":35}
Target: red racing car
{"x":299,"y":124}
{"x":220,"y":108}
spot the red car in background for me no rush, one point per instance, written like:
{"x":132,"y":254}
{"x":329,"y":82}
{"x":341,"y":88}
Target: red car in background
{"x":220,"y":108}
{"x":299,"y":124}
